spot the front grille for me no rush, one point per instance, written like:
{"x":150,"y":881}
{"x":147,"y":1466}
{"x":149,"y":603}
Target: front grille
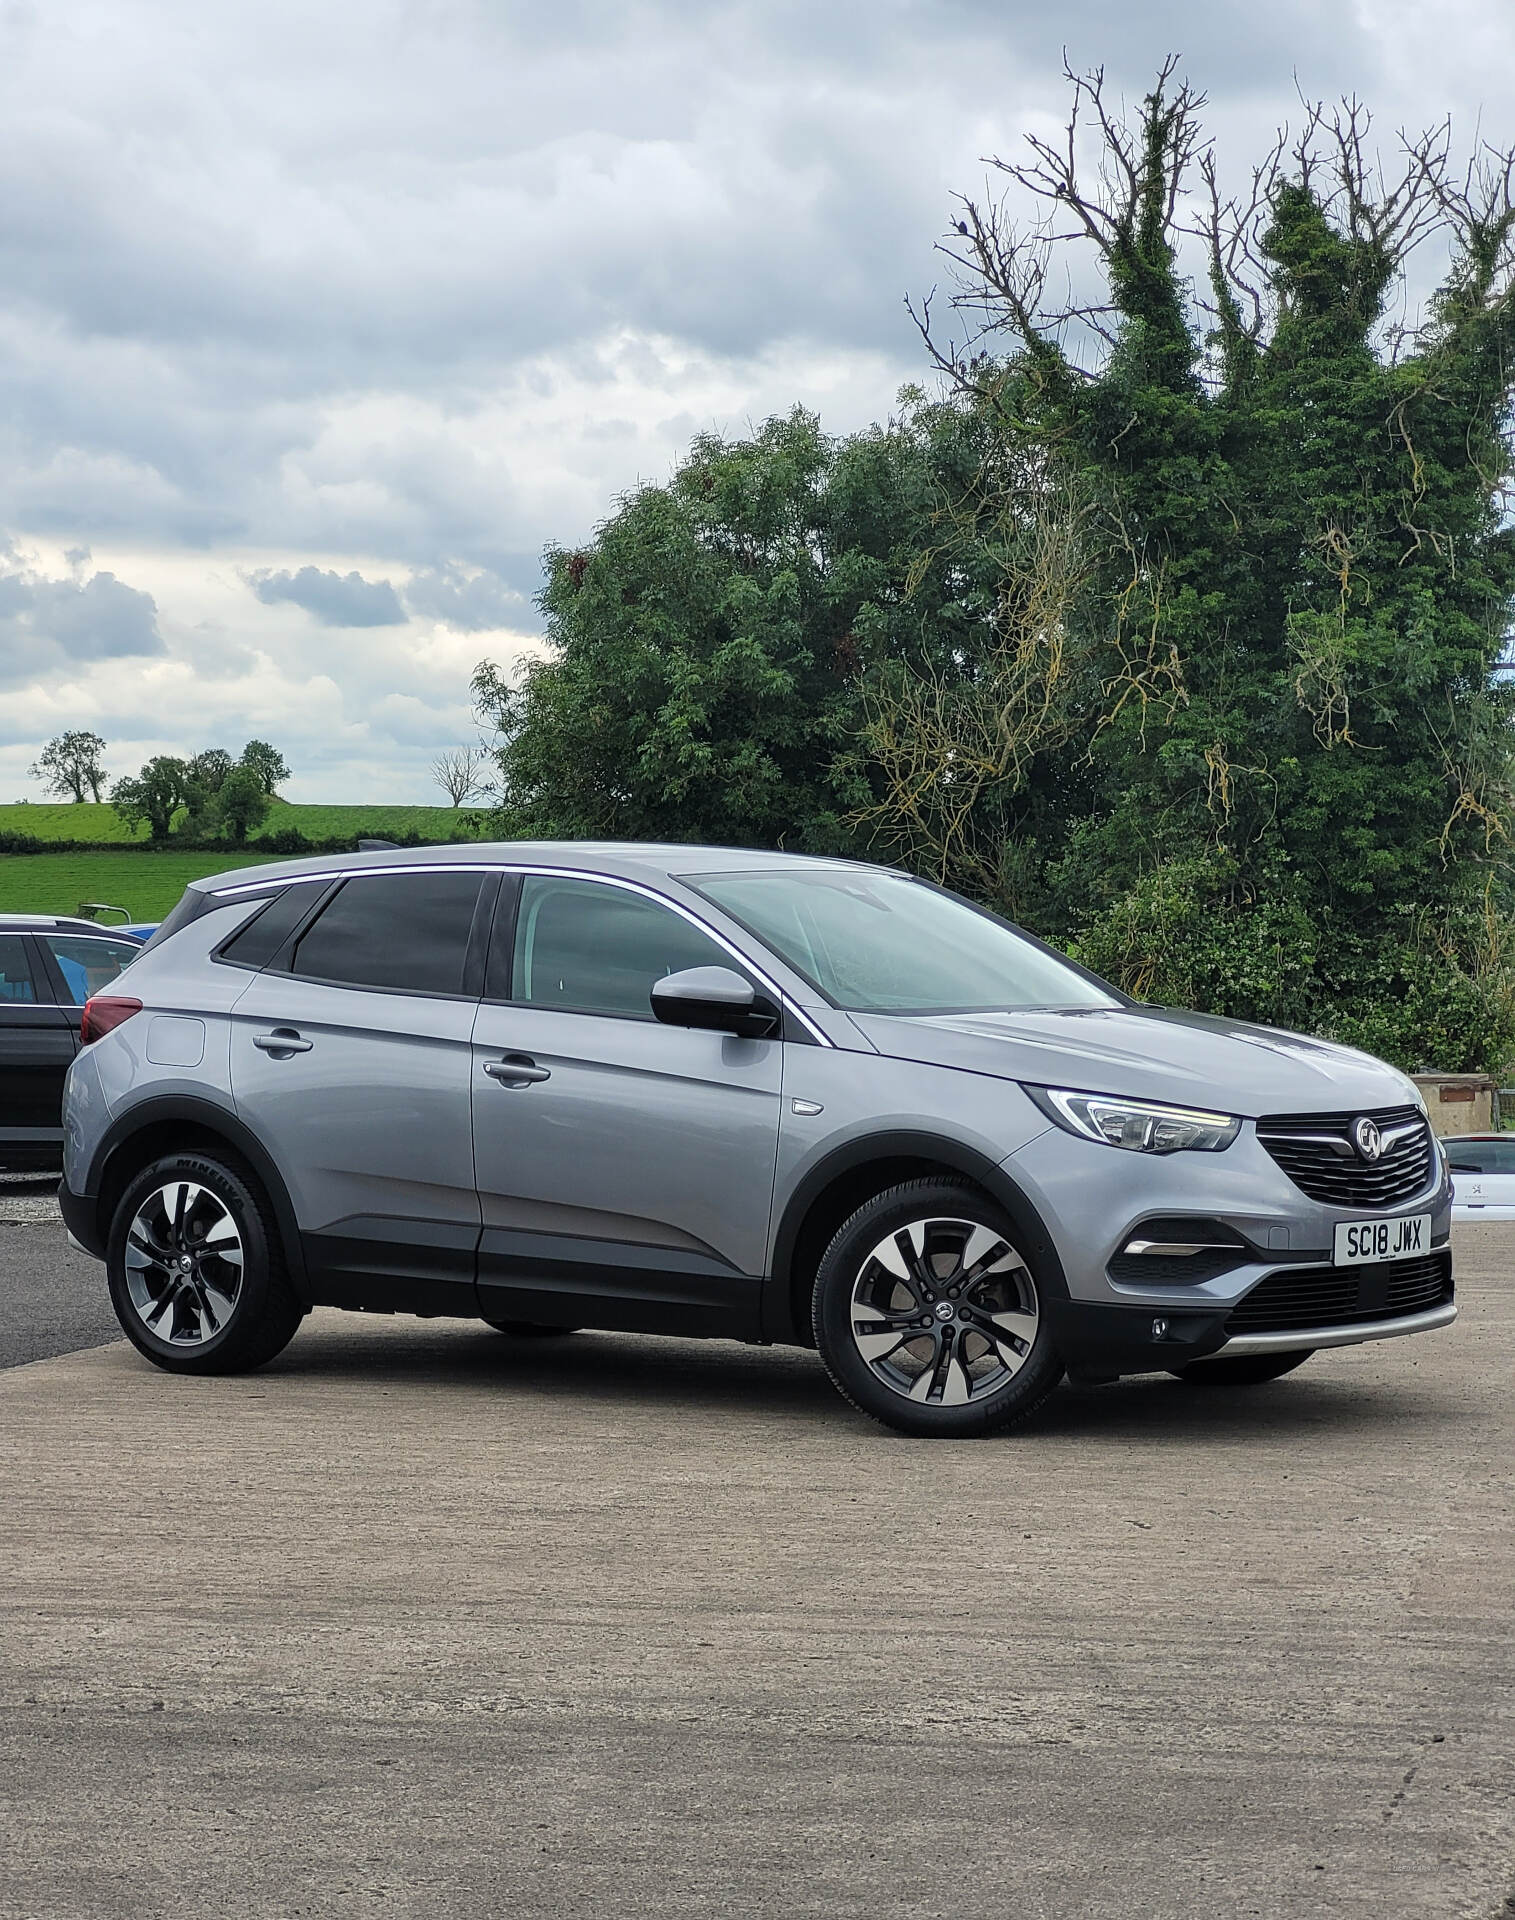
{"x":1305,"y":1297}
{"x":1316,"y":1151}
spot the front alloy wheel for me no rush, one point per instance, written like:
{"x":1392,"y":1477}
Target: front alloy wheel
{"x":929,"y":1318}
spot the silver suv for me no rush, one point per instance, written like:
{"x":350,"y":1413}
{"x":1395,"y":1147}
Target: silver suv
{"x":743,"y":1095}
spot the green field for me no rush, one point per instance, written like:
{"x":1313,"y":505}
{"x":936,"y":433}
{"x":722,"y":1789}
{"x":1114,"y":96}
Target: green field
{"x":146,"y":884}
{"x":51,"y":820}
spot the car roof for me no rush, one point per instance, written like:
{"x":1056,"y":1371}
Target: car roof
{"x":631,"y":859}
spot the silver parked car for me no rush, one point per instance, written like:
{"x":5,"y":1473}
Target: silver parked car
{"x":750,"y":1095}
{"x":1483,"y":1175}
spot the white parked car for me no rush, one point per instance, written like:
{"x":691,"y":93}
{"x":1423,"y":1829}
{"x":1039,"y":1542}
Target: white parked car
{"x":1483,"y":1175}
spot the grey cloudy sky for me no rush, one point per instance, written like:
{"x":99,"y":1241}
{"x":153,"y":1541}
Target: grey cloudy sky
{"x":317,"y":322}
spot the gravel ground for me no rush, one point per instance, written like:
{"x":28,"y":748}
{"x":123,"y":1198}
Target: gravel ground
{"x":420,"y":1621}
{"x":52,"y":1300}
{"x":26,"y":1200}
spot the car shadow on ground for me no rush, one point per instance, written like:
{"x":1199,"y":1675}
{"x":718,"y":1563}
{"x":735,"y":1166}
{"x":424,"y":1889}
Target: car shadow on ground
{"x":713,"y":1378}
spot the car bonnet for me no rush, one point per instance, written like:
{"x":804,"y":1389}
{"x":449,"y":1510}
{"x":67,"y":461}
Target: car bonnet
{"x":1154,"y":1053}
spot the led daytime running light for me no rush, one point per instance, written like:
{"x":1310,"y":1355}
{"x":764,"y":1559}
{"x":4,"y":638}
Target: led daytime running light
{"x":1140,"y":1126}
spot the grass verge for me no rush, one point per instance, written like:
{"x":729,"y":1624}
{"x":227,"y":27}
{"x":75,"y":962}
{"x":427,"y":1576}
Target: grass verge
{"x":146,"y":884}
{"x":49,"y":820}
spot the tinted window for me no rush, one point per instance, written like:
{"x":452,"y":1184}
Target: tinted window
{"x":881,"y":943}
{"x":256,"y":942}
{"x":1481,"y":1156}
{"x":403,"y":930}
{"x":192,"y":903}
{"x":598,"y":949}
{"x":89,"y":964}
{"x":15,"y":974}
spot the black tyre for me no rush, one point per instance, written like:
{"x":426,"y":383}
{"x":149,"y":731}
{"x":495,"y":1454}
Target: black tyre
{"x":195,"y":1267}
{"x":527,"y":1329}
{"x":929,"y":1319}
{"x":1242,"y":1369}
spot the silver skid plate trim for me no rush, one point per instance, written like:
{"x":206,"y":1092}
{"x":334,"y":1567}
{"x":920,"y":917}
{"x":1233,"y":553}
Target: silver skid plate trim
{"x":1347,"y":1336}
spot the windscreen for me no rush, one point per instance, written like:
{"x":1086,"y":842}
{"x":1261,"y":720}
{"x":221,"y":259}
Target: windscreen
{"x":882,"y":943}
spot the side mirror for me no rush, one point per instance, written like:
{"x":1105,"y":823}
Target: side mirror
{"x":715,"y":998}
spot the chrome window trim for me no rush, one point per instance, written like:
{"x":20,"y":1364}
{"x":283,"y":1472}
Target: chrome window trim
{"x":785,"y":1000}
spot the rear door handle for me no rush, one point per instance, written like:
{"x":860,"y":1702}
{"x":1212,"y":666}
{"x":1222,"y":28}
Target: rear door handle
{"x":516,"y":1070}
{"x":281,"y":1043}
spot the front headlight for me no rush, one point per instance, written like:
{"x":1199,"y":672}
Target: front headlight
{"x":1141,"y":1126}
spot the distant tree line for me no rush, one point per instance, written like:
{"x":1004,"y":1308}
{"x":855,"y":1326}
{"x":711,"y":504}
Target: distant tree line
{"x":208,"y":797}
{"x":1170,"y":625}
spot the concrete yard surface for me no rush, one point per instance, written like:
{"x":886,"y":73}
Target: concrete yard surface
{"x":424,"y":1621}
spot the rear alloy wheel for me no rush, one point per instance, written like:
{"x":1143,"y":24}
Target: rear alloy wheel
{"x":196,"y":1273}
{"x":1242,"y":1369}
{"x":928,"y":1317}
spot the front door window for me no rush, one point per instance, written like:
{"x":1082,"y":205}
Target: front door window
{"x":584,"y":947}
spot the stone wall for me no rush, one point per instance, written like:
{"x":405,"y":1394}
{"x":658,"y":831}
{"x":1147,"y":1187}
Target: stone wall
{"x":1458,"y":1102}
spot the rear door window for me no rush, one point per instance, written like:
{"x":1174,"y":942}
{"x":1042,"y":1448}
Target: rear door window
{"x":16,"y":984}
{"x":407,"y":932}
{"x":89,"y":963}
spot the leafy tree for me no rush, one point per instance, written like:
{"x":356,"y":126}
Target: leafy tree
{"x":155,"y":795}
{"x":267,"y":763}
{"x":71,"y":765}
{"x":241,"y":803}
{"x":208,"y":770}
{"x":204,"y":776}
{"x":708,"y":650}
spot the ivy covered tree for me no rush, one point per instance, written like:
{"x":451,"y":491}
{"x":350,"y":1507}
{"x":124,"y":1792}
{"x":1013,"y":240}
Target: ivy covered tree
{"x":1284,"y":713}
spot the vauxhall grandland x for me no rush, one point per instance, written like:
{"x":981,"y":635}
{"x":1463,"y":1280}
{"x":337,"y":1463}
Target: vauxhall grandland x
{"x":748,"y":1095}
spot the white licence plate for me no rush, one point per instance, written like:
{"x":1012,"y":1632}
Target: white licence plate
{"x":1361,"y":1241}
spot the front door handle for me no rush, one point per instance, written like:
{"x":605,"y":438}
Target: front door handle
{"x":281,"y":1043}
{"x":516,"y":1070}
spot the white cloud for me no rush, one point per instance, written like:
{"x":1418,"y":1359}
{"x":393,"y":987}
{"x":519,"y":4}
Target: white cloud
{"x":407,"y":290}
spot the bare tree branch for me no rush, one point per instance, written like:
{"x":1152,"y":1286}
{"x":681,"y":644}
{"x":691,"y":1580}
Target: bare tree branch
{"x":459,"y":772}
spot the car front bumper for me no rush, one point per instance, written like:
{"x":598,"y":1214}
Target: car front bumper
{"x":1093,"y":1199}
{"x":1352,"y":1334}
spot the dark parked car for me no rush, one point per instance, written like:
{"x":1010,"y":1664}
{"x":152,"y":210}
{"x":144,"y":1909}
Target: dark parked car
{"x":49,"y":966}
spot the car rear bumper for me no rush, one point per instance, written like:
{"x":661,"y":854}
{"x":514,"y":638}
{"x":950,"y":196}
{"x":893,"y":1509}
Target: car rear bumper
{"x":81,"y":1217}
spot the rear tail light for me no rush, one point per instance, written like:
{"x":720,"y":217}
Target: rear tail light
{"x":103,"y":1013}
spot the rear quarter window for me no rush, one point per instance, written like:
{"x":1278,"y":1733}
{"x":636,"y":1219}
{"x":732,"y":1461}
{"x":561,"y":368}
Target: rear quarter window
{"x":259,"y":938}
